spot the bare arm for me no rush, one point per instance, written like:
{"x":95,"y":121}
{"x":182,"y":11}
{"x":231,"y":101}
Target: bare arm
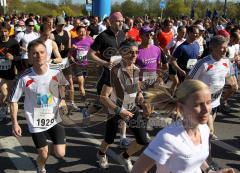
{"x":16,"y":129}
{"x":143,"y":164}
{"x":58,"y":58}
{"x":93,"y":55}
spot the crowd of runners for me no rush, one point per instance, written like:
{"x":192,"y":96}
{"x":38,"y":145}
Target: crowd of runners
{"x":183,"y":68}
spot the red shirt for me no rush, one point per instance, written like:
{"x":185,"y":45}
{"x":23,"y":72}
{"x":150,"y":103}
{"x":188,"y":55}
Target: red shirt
{"x":134,"y":34}
{"x":164,"y":38}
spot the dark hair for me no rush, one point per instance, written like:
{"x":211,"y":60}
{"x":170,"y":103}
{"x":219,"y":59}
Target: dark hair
{"x":5,"y":25}
{"x":129,"y":42}
{"x":28,"y":21}
{"x":191,"y":28}
{"x":35,"y":43}
{"x":45,"y":27}
{"x":180,"y":28}
{"x":80,"y":27}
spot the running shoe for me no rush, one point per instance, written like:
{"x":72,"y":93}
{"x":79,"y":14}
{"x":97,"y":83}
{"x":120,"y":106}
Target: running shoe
{"x":43,"y":170}
{"x":102,"y":161}
{"x":126,"y":163}
{"x":124,"y":142}
{"x":75,"y":107}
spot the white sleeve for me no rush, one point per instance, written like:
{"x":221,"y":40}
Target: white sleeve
{"x":17,"y":91}
{"x":196,"y":71}
{"x":19,"y":36}
{"x":159,"y":149}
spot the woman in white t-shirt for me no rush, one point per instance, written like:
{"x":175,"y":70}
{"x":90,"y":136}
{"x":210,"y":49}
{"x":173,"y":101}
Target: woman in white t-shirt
{"x":183,"y":146}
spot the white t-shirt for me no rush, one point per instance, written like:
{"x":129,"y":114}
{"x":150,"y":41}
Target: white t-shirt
{"x":26,"y":38}
{"x":41,"y":98}
{"x":174,"y":151}
{"x":173,"y":44}
{"x":213,"y":73}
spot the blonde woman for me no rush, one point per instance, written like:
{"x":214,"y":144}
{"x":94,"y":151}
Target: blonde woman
{"x":184,"y":145}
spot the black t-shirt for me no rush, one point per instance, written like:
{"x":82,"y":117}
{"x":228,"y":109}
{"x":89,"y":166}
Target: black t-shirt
{"x":64,"y":40}
{"x":7,"y":66}
{"x":94,"y":30}
{"x":108,"y":44}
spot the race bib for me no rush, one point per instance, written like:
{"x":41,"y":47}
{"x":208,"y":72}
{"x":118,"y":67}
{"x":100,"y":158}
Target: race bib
{"x":191,"y":63}
{"x":129,"y":101}
{"x":149,"y":77}
{"x":116,"y":59}
{"x":5,"y":64}
{"x":43,"y":117}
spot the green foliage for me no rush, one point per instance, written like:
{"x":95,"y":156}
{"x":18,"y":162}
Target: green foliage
{"x":129,"y":8}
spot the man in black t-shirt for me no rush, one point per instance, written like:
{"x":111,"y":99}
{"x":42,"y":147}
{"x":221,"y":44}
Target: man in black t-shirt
{"x":9,"y":51}
{"x":105,"y":48}
{"x":93,"y":28}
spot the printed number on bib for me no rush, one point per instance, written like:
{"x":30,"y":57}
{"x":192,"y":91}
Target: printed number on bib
{"x":191,"y":63}
{"x":149,"y":77}
{"x":43,"y":117}
{"x":129,"y":101}
{"x":81,"y":54}
{"x":5,"y":64}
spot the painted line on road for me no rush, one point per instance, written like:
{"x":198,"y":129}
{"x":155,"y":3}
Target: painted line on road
{"x":226,"y":147}
{"x":17,"y":155}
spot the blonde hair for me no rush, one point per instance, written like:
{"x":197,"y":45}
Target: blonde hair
{"x":167,"y":103}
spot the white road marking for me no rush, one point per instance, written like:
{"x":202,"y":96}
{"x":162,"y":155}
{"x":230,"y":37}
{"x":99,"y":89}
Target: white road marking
{"x":17,"y":154}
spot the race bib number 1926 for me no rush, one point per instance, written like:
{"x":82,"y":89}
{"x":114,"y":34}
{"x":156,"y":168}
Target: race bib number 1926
{"x":43,"y":117}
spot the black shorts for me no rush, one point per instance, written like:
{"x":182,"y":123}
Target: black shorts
{"x":75,"y":70}
{"x":56,"y":134}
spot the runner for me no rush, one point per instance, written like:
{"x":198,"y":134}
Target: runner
{"x":45,"y":33}
{"x":182,"y":146}
{"x":105,"y":48}
{"x":213,"y":70}
{"x":169,"y":50}
{"x":79,"y":61}
{"x":124,"y":91}
{"x":24,"y":38}
{"x":9,"y":53}
{"x":44,"y":91}
{"x":186,"y":55}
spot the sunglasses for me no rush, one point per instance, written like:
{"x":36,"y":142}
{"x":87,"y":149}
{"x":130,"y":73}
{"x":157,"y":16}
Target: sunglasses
{"x":31,"y":25}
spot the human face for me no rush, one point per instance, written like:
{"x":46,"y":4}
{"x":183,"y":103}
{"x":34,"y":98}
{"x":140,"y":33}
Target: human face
{"x":38,"y":55}
{"x":46,"y":34}
{"x":193,"y":35}
{"x":219,"y":51}
{"x":197,"y":108}
{"x":146,"y":37}
{"x":116,"y":25}
{"x":81,"y":33}
{"x":60,"y":27}
{"x":30,"y":27}
{"x":182,"y":33}
{"x":77,"y":23}
{"x":4,"y":34}
{"x":130,"y":54}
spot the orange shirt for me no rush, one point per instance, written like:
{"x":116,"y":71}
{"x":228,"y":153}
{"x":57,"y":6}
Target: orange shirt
{"x":134,"y":34}
{"x":73,"y":33}
{"x":164,"y":38}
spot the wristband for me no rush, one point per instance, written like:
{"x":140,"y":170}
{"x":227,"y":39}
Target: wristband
{"x":117,"y":110}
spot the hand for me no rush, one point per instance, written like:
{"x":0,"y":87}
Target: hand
{"x":125,"y":114}
{"x":16,"y":130}
{"x":63,"y":106}
{"x":182,"y":73}
{"x":140,"y":98}
{"x":62,"y":47}
{"x":9,"y":56}
{"x":147,"y":110}
{"x":109,"y":65}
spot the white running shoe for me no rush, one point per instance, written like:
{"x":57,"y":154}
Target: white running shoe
{"x":127,"y":163}
{"x":102,"y":161}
